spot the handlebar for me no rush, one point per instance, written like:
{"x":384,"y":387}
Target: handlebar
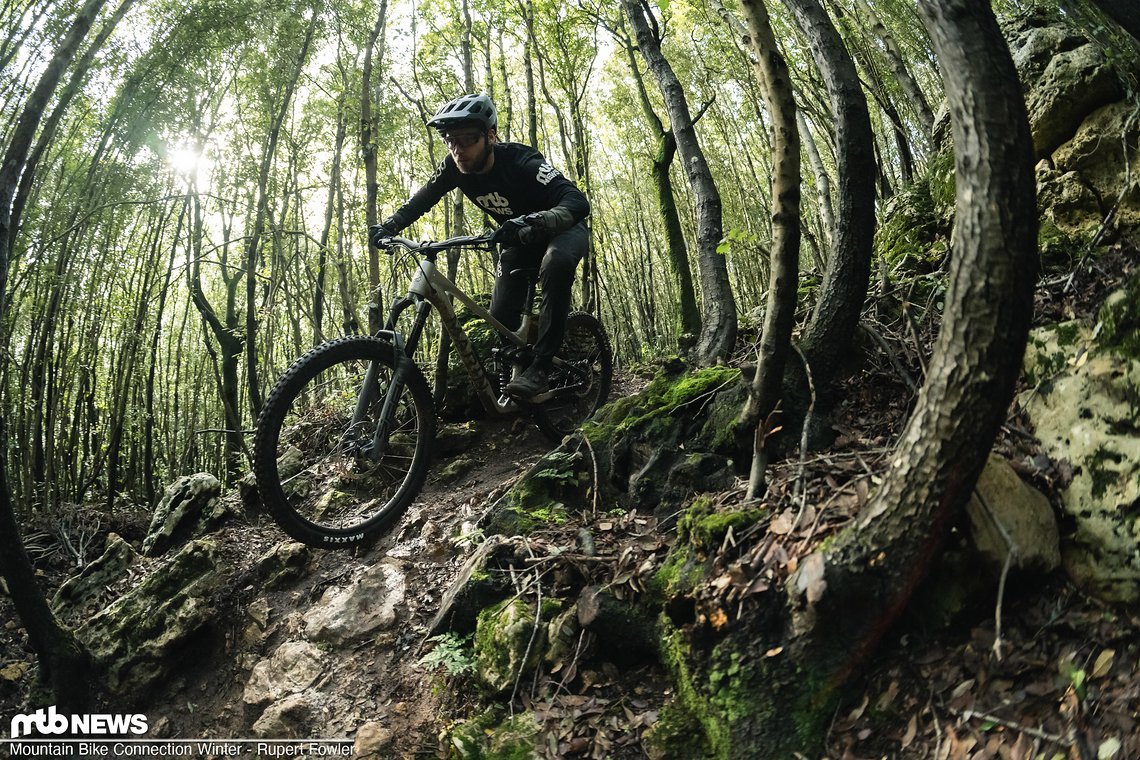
{"x":435,"y":246}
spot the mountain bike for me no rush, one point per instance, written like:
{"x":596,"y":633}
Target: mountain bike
{"x":343,"y":443}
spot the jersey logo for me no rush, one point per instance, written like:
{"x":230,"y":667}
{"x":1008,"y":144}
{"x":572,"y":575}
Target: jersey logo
{"x":546,"y":173}
{"x":495,"y":203}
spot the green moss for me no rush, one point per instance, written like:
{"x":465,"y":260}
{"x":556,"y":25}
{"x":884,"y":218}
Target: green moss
{"x":486,"y":736}
{"x":907,"y":231}
{"x":540,"y":498}
{"x":1120,"y":320}
{"x":731,"y":694}
{"x":508,"y":645}
{"x":1059,"y":250}
{"x":1103,"y":474}
{"x":941,"y":182}
{"x":651,"y":410}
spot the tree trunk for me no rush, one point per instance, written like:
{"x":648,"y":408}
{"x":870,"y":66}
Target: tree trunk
{"x":326,"y":230}
{"x":776,"y":335}
{"x":667,"y":203}
{"x":898,"y":66}
{"x":64,"y":665}
{"x":828,"y":339}
{"x":253,"y":244}
{"x":718,"y":307}
{"x":368,"y":153}
{"x":841,"y":601}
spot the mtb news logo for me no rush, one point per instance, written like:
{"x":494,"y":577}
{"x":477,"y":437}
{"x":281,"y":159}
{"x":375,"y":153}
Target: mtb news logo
{"x":47,"y":722}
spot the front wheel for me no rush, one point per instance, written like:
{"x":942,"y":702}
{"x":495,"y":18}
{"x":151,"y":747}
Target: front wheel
{"x":322,"y":471}
{"x":581,"y":383}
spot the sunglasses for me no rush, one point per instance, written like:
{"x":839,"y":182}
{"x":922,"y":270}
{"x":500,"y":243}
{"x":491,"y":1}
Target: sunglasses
{"x":461,"y":139}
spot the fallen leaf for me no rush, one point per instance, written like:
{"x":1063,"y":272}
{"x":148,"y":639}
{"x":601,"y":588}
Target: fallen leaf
{"x":1103,"y":663}
{"x":718,"y":618}
{"x":782,"y":524}
{"x":911,"y":731}
{"x":809,"y":578}
{"x":1108,"y":749}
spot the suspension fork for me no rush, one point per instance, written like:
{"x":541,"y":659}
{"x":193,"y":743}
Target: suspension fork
{"x":404,"y":365}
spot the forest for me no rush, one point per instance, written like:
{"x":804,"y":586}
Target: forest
{"x":809,"y":195}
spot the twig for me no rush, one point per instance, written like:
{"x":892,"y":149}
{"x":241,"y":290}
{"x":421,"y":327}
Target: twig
{"x":529,"y":646}
{"x":594,"y":460}
{"x":1035,"y":732}
{"x":1011,"y":549}
{"x":912,"y":327}
{"x":801,"y":480}
{"x":891,"y":356}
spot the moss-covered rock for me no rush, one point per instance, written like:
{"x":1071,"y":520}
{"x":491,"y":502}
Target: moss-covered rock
{"x":1085,"y":406}
{"x":672,"y":426}
{"x":283,"y":564}
{"x":1119,"y":318}
{"x":81,"y":594}
{"x":556,"y":484}
{"x":510,"y":638}
{"x":189,"y":508}
{"x":139,"y":638}
{"x":487,"y":736}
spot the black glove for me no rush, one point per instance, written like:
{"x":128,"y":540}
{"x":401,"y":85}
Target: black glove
{"x":386,"y":229}
{"x":511,"y":233}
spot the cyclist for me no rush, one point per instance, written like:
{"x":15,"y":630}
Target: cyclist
{"x":541,"y":215}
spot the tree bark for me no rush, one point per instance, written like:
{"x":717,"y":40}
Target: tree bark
{"x":899,"y":68}
{"x":667,"y":203}
{"x":779,"y":318}
{"x":253,"y":243}
{"x":372,"y":58}
{"x":828,"y":339}
{"x":837,"y":606}
{"x":64,"y":664}
{"x":718,"y":307}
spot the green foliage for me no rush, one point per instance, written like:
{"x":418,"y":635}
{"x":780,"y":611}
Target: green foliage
{"x":452,"y":652}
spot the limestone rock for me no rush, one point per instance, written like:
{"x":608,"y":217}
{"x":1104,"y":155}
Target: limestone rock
{"x":139,"y":638}
{"x":373,"y":742}
{"x":455,"y":439}
{"x":289,"y":670}
{"x":189,"y":508}
{"x":294,"y":717}
{"x":1084,"y":409}
{"x":80,"y":592}
{"x":1022,"y":513}
{"x":284,"y":563}
{"x":1066,"y":78}
{"x":349,"y":614}
{"x":474,"y":588}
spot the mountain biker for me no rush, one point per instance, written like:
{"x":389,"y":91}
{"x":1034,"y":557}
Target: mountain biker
{"x":541,"y":216}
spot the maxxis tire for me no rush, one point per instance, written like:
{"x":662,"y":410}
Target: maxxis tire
{"x":280,"y":402}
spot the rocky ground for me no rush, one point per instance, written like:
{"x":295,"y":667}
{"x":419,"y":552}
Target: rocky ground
{"x":291,"y":642}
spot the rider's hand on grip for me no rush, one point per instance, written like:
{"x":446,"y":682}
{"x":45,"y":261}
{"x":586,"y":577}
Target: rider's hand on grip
{"x":377,"y":233}
{"x":512,"y":232}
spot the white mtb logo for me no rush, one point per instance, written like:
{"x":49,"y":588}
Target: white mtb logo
{"x":546,"y":173}
{"x":495,"y":203}
{"x":51,"y":722}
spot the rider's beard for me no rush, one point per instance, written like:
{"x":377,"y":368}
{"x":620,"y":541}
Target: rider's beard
{"x":480,"y":165}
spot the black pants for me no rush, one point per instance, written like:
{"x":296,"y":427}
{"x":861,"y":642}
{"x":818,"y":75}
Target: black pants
{"x":556,"y":260}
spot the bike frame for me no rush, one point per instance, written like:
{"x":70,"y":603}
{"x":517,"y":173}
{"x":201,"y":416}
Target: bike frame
{"x":429,"y":289}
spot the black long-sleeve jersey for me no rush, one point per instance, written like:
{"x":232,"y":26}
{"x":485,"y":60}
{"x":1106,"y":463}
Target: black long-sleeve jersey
{"x":521,"y":182}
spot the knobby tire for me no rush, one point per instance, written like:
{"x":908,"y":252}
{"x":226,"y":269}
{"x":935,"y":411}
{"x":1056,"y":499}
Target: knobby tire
{"x":312,"y":478}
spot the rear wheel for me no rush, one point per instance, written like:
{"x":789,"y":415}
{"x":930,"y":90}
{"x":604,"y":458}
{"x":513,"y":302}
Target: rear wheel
{"x":582,"y":383}
{"x":318,"y":471}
